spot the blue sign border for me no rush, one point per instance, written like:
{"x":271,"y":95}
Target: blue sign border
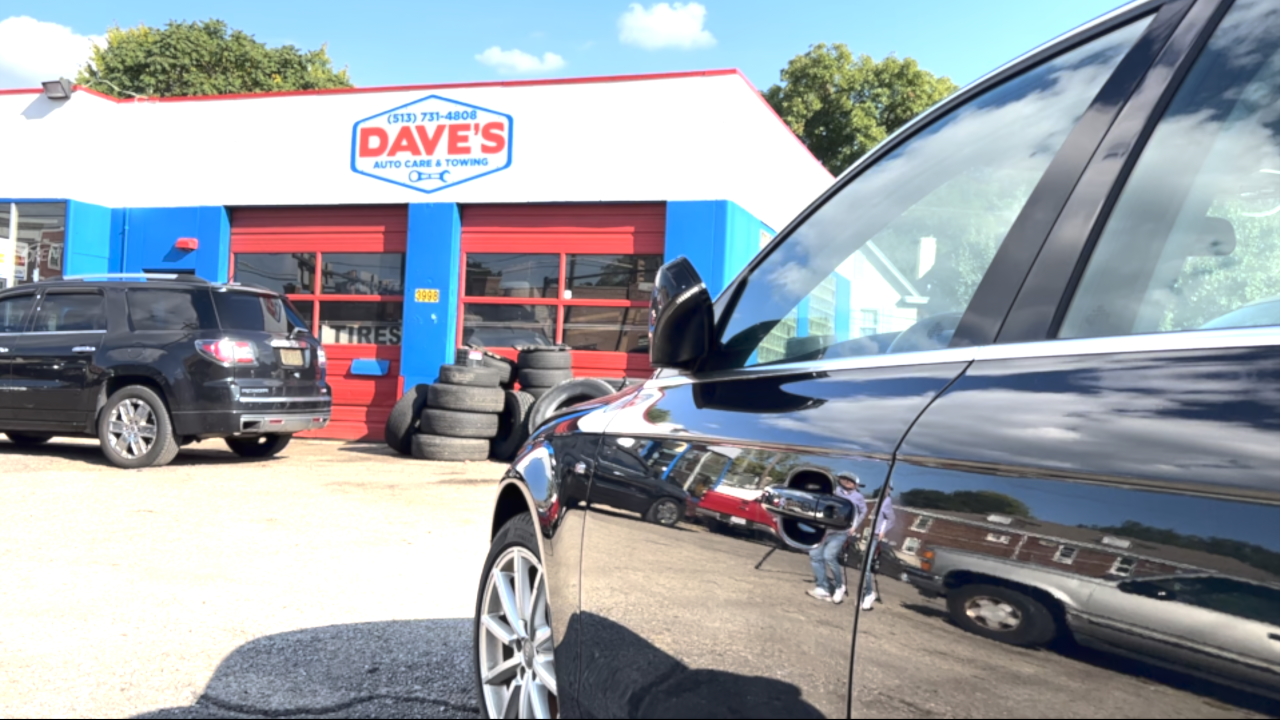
{"x":355,"y":142}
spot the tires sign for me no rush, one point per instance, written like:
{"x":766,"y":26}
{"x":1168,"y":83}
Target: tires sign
{"x":431,"y":144}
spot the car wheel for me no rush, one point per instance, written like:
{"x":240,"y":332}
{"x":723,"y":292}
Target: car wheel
{"x":514,"y":651}
{"x":28,"y":439}
{"x":258,"y":446}
{"x":664,"y":512}
{"x":1001,"y":614}
{"x":135,"y":430}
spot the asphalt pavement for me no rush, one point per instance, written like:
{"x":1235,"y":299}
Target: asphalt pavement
{"x":336,"y":580}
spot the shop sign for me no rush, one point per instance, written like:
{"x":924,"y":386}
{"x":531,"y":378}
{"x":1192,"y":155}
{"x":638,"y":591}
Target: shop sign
{"x":360,"y":333}
{"x":431,"y":144}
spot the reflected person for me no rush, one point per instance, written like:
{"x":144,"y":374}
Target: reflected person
{"x":884,"y":523}
{"x":827,"y":570}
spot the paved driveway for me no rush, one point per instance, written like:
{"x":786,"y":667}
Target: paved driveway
{"x":336,"y":579}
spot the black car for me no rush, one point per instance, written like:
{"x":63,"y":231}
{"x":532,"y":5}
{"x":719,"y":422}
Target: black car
{"x":1023,"y":335}
{"x":148,"y":363}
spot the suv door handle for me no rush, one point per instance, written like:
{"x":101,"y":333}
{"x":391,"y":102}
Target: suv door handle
{"x":83,"y":349}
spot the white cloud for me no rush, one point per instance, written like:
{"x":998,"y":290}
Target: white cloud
{"x":519,"y":62}
{"x":665,"y":25}
{"x":32,"y":51}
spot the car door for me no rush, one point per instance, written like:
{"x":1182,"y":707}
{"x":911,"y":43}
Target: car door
{"x":829,"y":347}
{"x":1121,"y":433}
{"x":53,"y":362}
{"x":15,"y":309}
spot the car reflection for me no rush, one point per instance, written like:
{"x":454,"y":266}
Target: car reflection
{"x":1131,"y":590}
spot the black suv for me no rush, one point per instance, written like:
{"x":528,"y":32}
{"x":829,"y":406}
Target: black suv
{"x":1030,"y":342}
{"x":151,"y":362}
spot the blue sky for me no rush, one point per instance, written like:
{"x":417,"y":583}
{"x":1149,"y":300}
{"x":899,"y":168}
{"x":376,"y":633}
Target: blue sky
{"x":394,"y":43}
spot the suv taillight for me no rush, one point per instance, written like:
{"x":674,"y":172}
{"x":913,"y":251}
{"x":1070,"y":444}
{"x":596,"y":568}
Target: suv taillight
{"x":321,"y":359}
{"x":228,"y":352}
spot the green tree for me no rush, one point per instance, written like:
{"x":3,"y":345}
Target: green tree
{"x":202,"y":58}
{"x":841,"y":106}
{"x":979,"y":502}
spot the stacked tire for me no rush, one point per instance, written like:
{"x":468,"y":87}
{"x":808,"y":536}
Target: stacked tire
{"x":460,"y":416}
{"x":542,"y":367}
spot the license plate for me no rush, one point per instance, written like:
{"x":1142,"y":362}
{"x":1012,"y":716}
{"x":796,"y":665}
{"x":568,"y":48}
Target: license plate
{"x":292,"y":358}
{"x":737,"y":520}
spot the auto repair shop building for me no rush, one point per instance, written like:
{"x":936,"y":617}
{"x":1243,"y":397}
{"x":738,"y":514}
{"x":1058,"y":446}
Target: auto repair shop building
{"x":404,"y":221}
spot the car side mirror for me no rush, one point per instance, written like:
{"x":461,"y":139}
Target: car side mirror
{"x":680,"y":317}
{"x":1147,"y":590}
{"x":821,"y":509}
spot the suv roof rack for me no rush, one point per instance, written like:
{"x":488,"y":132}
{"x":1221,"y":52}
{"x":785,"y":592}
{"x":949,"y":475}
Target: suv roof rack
{"x":179,"y":277}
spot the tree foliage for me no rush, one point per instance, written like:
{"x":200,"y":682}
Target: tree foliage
{"x":202,"y":58}
{"x":841,"y":106}
{"x":979,"y":502}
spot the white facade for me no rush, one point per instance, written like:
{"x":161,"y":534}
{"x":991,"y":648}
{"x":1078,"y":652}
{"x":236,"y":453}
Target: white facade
{"x":691,"y":136}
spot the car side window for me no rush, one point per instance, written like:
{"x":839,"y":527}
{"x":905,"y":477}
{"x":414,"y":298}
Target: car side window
{"x":170,"y":310}
{"x":1194,"y":239}
{"x":890,"y":263}
{"x":13,"y":313}
{"x":1259,"y":603}
{"x":78,"y":312}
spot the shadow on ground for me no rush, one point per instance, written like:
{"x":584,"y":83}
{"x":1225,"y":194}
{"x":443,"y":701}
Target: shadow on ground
{"x":91,"y":454}
{"x":402,"y":669}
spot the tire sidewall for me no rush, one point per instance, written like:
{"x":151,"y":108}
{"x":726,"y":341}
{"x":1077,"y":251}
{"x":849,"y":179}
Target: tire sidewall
{"x":1037,"y":628}
{"x":518,"y":531}
{"x":161,"y":450}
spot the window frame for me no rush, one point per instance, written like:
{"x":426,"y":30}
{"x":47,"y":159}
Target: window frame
{"x":635,"y":362}
{"x":317,"y":296}
{"x":1120,"y":560}
{"x":30,"y":311}
{"x":922,"y":524}
{"x":34,"y":312}
{"x":1062,"y":557}
{"x":1031,"y":230}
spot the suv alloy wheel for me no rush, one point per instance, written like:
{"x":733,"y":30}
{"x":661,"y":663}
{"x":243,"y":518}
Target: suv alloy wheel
{"x":135,"y":429}
{"x":515,"y":660}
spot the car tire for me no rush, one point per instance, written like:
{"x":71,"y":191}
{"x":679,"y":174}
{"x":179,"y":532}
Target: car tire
{"x":1001,"y":614}
{"x":665,"y":512}
{"x":548,"y":359}
{"x":22,"y":439}
{"x":505,"y":368}
{"x":464,"y":376}
{"x":535,"y":392}
{"x":567,"y":393}
{"x":532,"y":378}
{"x":458,"y":424}
{"x":513,"y":428}
{"x":126,"y":448}
{"x":466,"y":399}
{"x":449,"y":449}
{"x":258,"y":446}
{"x":513,"y":557}
{"x":403,"y":421}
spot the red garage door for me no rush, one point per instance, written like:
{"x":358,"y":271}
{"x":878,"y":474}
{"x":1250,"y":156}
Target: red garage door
{"x":343,"y":267}
{"x":576,"y":274}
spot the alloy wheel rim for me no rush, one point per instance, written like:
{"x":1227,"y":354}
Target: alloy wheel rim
{"x":668,"y":513}
{"x":993,"y":614}
{"x":516,"y":653}
{"x":132,"y":428}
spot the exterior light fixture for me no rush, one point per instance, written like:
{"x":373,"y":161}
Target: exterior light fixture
{"x":59,"y":89}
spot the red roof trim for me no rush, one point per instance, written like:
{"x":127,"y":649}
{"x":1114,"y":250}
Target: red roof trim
{"x":403,"y":88}
{"x":22,"y":91}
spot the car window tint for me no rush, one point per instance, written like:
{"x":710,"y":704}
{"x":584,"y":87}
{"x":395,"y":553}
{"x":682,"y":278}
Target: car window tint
{"x":1194,"y":240}
{"x":70,"y":313}
{"x":254,"y":312}
{"x":171,"y":310}
{"x":1259,"y":603}
{"x":891,"y":262}
{"x":13,"y":311}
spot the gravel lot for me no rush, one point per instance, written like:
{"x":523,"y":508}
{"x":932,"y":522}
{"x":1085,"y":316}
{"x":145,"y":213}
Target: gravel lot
{"x":336,"y":579}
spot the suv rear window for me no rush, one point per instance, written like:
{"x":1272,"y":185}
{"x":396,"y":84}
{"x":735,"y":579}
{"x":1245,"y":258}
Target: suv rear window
{"x":253,"y":312}
{"x":170,"y":310}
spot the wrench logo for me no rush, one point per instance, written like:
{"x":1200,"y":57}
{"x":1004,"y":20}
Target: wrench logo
{"x":416,"y":177}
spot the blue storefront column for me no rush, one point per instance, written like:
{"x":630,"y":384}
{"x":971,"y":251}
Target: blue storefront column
{"x":432,"y":263}
{"x":144,"y":239}
{"x":88,"y":242}
{"x":717,"y":236}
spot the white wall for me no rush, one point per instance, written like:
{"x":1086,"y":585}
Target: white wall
{"x":684,"y":138}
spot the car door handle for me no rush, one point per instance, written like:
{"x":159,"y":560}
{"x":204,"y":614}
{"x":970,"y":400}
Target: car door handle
{"x":83,"y":349}
{"x":1275,"y":636}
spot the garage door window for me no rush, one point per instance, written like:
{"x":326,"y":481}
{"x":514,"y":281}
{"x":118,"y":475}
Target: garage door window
{"x":344,"y":298}
{"x":514,"y":299}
